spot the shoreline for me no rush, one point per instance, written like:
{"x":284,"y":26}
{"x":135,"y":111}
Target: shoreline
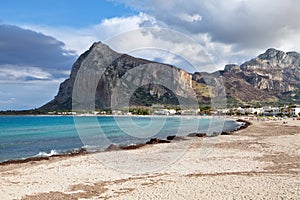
{"x":114,"y":147}
{"x":257,"y":162}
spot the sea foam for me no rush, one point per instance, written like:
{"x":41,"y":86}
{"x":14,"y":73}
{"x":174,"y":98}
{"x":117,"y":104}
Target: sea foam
{"x":45,"y":154}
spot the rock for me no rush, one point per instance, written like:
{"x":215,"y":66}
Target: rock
{"x":74,"y":152}
{"x":244,"y":125}
{"x":197,"y":135}
{"x":226,"y":133}
{"x":157,"y":141}
{"x":175,"y":137}
{"x":82,"y":151}
{"x":131,"y":147}
{"x":171,"y":137}
{"x":112,"y":147}
{"x":232,"y":68}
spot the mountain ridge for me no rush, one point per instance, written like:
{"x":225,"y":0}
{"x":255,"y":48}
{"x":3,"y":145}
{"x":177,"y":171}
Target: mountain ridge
{"x":271,"y":76}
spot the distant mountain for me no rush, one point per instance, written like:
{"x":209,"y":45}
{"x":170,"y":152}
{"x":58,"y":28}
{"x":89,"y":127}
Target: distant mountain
{"x":272,"y":76}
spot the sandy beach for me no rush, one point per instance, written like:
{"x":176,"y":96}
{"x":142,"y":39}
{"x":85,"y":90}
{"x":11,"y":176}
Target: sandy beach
{"x":259,"y":162}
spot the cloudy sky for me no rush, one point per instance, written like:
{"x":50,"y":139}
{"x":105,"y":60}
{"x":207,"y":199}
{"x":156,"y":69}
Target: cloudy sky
{"x":40,"y":40}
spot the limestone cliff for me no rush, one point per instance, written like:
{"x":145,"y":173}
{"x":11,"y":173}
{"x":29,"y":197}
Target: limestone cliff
{"x":273,"y":74}
{"x":139,"y":81}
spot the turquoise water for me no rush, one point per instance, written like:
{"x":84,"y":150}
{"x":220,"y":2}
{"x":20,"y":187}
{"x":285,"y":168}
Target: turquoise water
{"x":28,"y":136}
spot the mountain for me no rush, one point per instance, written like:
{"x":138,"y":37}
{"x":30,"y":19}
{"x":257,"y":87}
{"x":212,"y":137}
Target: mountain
{"x":102,"y":78}
{"x":273,"y":75}
{"x":102,"y":72}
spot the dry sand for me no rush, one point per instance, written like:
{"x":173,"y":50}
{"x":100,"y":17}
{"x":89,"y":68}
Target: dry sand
{"x":260,"y":162}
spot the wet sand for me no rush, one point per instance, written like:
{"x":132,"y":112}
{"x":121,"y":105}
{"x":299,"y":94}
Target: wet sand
{"x":259,"y":162}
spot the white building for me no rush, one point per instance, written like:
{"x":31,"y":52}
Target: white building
{"x":190,"y":112}
{"x":240,"y":110}
{"x":162,"y":112}
{"x":295,"y":111}
{"x":271,"y":111}
{"x":117,"y":112}
{"x":172,"y":112}
{"x":257,"y":111}
{"x":223,"y":111}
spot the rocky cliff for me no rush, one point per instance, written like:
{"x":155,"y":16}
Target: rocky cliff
{"x":272,"y":75}
{"x":121,"y":80}
{"x":104,"y":78}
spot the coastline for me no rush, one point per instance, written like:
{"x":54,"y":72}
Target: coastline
{"x":261,"y":161}
{"x":82,"y":151}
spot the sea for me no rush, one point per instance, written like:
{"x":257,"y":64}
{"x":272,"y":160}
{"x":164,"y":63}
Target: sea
{"x":24,"y":137}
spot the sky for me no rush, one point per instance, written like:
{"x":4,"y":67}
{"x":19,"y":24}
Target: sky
{"x":40,"y":40}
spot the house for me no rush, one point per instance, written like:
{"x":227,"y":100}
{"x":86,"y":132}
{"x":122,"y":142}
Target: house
{"x":257,"y":111}
{"x":240,"y":110}
{"x":295,"y":111}
{"x":271,"y":111}
{"x":162,"y":112}
{"x":223,"y":111}
{"x":172,"y":111}
{"x":190,"y":112}
{"x":117,"y":112}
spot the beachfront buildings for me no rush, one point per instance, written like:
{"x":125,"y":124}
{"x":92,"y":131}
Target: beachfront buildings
{"x":240,"y":111}
{"x":291,"y":111}
{"x":266,"y":111}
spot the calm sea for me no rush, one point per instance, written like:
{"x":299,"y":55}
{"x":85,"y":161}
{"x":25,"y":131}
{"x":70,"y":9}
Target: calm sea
{"x":29,"y":136}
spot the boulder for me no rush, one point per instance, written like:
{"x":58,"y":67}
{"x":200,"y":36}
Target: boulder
{"x":197,"y":135}
{"x":157,"y":141}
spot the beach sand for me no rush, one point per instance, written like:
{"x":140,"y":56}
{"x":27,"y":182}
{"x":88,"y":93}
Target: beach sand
{"x":259,"y":162}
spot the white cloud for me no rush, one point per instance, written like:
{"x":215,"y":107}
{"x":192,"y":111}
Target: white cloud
{"x":81,"y":39}
{"x":191,"y":18}
{"x":239,"y":27}
{"x":22,"y":73}
{"x":127,"y":35}
{"x":165,"y":45}
{"x":130,"y":35}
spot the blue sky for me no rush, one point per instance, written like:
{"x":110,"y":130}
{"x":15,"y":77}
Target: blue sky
{"x":74,"y":13}
{"x":41,"y":39}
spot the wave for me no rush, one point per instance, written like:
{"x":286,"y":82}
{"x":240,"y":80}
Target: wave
{"x":45,"y":154}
